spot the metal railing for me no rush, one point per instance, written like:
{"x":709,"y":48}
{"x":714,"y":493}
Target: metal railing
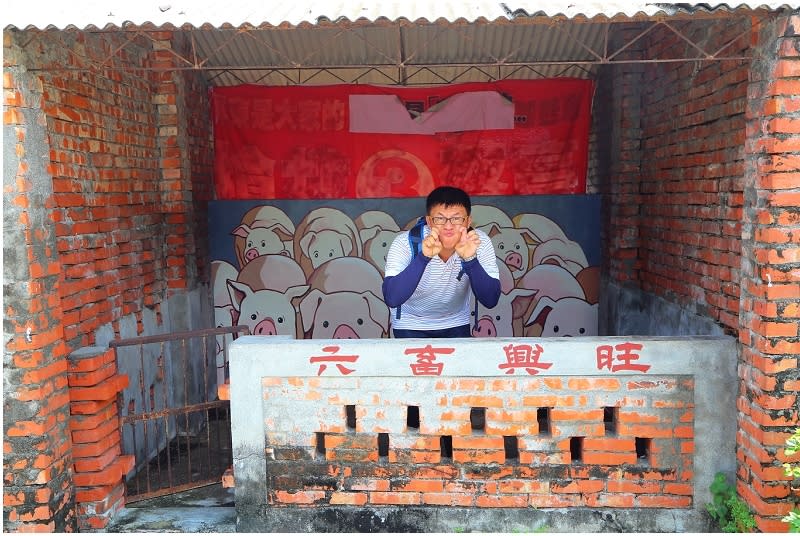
{"x":171,"y":418}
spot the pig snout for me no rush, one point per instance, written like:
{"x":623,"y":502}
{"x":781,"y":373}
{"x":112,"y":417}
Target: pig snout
{"x":514,"y":261}
{"x":251,"y":254}
{"x":485,"y":328}
{"x":265,"y":327}
{"x":345,"y":332}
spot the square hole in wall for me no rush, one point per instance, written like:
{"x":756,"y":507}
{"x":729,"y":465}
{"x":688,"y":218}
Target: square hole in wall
{"x":350,"y":417}
{"x":576,"y":449}
{"x":543,"y":418}
{"x":446,"y":447}
{"x":511,"y":447}
{"x":610,"y":419}
{"x":383,"y":445}
{"x":477,"y":419}
{"x":643,"y":446}
{"x":412,"y":418}
{"x":320,"y":447}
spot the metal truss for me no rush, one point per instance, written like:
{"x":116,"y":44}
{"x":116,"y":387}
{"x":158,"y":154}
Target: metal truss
{"x":259,"y":55}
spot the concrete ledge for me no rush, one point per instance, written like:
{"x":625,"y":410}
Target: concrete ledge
{"x":449,"y":519}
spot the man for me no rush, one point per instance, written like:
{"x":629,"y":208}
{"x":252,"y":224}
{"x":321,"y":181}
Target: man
{"x":429,"y":293}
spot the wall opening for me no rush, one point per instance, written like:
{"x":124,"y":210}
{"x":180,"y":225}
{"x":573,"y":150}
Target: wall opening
{"x":543,"y":418}
{"x":511,"y":447}
{"x":446,"y":447}
{"x":610,"y":418}
{"x":576,"y":449}
{"x":477,"y":419}
{"x":320,"y":447}
{"x":643,"y":450}
{"x":412,"y":418}
{"x":383,"y":445}
{"x":350,"y":417}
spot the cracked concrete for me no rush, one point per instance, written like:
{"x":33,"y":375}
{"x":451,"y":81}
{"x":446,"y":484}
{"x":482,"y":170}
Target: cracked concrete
{"x":206,"y":509}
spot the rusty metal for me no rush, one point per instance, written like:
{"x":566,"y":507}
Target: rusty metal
{"x":178,"y":434}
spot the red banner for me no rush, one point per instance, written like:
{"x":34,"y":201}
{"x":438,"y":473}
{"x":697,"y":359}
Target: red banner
{"x":355,"y":141}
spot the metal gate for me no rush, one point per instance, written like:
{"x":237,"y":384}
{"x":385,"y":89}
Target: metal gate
{"x":171,"y":419}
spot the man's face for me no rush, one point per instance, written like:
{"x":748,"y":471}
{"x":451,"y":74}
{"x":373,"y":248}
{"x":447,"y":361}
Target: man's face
{"x":449,"y":221}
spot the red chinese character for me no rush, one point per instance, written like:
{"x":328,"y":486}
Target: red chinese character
{"x":525,"y":356}
{"x":426,"y":356}
{"x":624,"y":356}
{"x":334,"y":359}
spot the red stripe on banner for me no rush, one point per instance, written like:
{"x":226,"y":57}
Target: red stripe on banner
{"x":295,"y":142}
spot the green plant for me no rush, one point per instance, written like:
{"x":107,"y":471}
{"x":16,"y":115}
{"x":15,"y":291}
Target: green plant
{"x":727,"y":509}
{"x":792,"y":470}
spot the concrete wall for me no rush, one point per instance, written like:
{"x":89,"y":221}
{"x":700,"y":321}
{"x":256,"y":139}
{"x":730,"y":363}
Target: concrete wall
{"x":299,"y":461}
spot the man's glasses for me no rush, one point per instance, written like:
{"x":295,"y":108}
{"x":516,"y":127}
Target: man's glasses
{"x":441,"y":220}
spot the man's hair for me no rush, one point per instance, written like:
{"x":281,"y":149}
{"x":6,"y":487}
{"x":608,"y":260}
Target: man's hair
{"x":448,"y":196}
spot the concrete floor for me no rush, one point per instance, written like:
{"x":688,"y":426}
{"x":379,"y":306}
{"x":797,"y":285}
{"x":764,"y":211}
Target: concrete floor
{"x":206,"y":509}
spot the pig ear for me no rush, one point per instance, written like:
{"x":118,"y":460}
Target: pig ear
{"x":521,"y":299}
{"x":529,"y":237}
{"x":282,"y":232}
{"x":377,"y":309}
{"x":308,"y":308}
{"x":243,"y":230}
{"x":306,"y":240}
{"x":369,"y":232}
{"x":493,"y":230}
{"x":296,"y":291}
{"x":347,"y":244}
{"x":540,"y":312}
{"x":238,"y":291}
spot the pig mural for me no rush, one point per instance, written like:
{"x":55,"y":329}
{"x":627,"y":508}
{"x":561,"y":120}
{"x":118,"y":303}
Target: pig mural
{"x":565,"y":253}
{"x":272,"y":272}
{"x":224,"y":313}
{"x":510,"y":244}
{"x":566,"y":317}
{"x":548,"y":280}
{"x":266,"y":312}
{"x":275,"y":273}
{"x":325,"y":234}
{"x":499,"y":320}
{"x":345,"y":301}
{"x":263,"y":230}
{"x":377,"y":231}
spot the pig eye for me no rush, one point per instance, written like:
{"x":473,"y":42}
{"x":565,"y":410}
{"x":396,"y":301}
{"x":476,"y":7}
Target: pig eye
{"x":330,"y":254}
{"x":359,"y":321}
{"x":501,"y":246}
{"x":555,"y":329}
{"x":249,"y":243}
{"x":280,"y":320}
{"x":517,"y":246}
{"x":497,"y":317}
{"x":253,"y":316}
{"x":383,"y":244}
{"x":263,"y":244}
{"x":316,"y":254}
{"x":582,"y":331}
{"x":325,"y":324}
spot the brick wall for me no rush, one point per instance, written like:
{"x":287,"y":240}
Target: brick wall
{"x":37,"y":492}
{"x":462,"y":424}
{"x":770,"y":303}
{"x":690,"y":177}
{"x":704,"y":166}
{"x":100,"y":227}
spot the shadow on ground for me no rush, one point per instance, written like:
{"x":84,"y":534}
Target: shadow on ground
{"x":206,"y":509}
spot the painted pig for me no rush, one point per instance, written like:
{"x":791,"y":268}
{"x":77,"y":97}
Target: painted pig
{"x":266,"y":312}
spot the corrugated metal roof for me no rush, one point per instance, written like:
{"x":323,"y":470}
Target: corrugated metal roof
{"x":411,"y":42}
{"x":106,"y":14}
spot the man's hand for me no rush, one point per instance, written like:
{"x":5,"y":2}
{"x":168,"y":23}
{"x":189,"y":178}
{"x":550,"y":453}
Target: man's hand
{"x":431,"y":246}
{"x":468,"y":244}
